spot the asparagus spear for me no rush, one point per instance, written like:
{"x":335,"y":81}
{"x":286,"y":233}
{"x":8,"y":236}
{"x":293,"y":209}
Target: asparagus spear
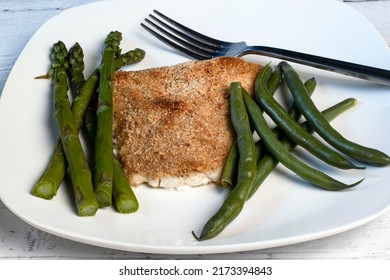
{"x":57,"y":164}
{"x":103,"y":160}
{"x":49,"y":182}
{"x":76,"y":83}
{"x":124,"y":198}
{"x":51,"y":179}
{"x":78,"y":167}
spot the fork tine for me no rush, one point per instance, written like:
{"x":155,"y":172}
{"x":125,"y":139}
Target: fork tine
{"x":175,"y":46}
{"x":188,"y":38}
{"x":193,"y":33}
{"x":189,"y":44}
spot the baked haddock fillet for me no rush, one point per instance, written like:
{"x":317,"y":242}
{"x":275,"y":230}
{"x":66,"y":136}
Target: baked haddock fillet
{"x":172,"y":124}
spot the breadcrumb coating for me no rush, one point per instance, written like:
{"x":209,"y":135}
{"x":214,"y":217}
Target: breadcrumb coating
{"x":174,"y":121}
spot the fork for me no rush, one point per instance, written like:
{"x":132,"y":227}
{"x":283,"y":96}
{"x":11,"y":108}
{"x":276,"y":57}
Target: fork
{"x":200,"y":47}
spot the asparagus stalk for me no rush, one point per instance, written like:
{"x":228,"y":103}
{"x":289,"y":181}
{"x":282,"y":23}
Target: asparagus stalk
{"x":46,"y":188}
{"x":103,"y":160}
{"x":78,"y":167}
{"x":124,"y":198}
{"x":90,"y":123}
{"x":50,"y":180}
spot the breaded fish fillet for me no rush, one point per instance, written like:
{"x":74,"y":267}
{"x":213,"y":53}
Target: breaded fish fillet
{"x":172,"y":124}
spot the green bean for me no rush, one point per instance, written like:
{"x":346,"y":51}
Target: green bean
{"x":294,"y":112}
{"x":274,"y":80}
{"x":274,"y":146}
{"x":322,"y":126}
{"x":310,"y":86}
{"x":268,"y":162}
{"x":230,"y":166}
{"x":281,"y":117}
{"x":235,"y":200}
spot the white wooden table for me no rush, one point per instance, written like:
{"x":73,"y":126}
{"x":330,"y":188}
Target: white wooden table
{"x":18,"y":22}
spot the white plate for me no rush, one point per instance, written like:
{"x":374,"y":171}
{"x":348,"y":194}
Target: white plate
{"x":284,"y":211}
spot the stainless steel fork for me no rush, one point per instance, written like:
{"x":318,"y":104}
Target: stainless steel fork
{"x":201,"y":47}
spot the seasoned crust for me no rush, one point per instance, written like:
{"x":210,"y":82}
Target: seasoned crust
{"x":174,"y":122}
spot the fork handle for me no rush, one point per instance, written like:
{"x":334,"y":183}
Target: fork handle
{"x":373,"y":74}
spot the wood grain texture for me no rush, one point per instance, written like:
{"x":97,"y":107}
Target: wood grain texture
{"x":19,"y":20}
